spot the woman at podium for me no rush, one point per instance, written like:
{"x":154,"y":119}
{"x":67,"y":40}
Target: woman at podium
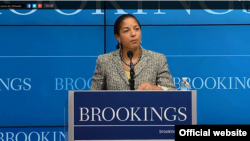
{"x":131,"y":67}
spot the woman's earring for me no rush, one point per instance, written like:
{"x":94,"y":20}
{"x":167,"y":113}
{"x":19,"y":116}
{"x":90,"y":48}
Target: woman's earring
{"x":119,"y":44}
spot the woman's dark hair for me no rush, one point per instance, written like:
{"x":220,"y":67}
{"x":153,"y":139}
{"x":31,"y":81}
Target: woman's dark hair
{"x":118,"y":22}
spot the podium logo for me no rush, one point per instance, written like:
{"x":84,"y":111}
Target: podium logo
{"x":133,"y":114}
{"x":72,"y":84}
{"x":32,"y":136}
{"x":216,"y":82}
{"x":15,"y":84}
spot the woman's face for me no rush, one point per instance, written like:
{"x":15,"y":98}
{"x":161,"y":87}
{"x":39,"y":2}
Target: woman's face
{"x":130,"y":33}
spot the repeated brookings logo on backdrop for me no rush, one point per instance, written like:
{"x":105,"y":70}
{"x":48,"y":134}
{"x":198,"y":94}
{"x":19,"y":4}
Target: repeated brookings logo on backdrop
{"x":65,"y":84}
{"x":72,"y":83}
{"x":15,"y":84}
{"x":196,"y":83}
{"x":32,"y":134}
{"x":216,"y":82}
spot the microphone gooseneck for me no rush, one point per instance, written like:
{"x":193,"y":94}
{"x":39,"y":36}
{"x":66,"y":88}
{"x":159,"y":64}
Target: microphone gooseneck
{"x":130,"y":55}
{"x":132,"y":72}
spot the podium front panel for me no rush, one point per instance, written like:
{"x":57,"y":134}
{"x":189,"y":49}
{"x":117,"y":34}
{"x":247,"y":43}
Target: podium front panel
{"x":129,"y":115}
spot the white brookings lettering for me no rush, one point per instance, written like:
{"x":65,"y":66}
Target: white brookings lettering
{"x":216,"y":82}
{"x":186,"y":6}
{"x":15,"y":84}
{"x":32,"y":136}
{"x":72,"y":84}
{"x":196,"y":83}
{"x":131,"y":114}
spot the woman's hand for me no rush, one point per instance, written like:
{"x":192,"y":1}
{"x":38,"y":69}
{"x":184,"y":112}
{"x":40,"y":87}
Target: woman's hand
{"x":148,"y":86}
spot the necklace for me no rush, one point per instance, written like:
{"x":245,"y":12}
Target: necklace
{"x":139,"y":58}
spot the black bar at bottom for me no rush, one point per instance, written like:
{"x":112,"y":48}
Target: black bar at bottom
{"x":235,"y":132}
{"x":14,"y":6}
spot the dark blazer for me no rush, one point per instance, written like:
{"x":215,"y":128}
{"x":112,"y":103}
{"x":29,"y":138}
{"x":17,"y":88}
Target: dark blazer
{"x":110,"y":75}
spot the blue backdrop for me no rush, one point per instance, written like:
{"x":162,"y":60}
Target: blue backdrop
{"x":39,"y":49}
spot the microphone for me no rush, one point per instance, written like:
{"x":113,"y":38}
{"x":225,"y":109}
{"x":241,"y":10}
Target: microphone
{"x":132,"y":72}
{"x":130,"y":54}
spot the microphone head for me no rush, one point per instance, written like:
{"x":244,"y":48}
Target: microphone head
{"x":130,"y":54}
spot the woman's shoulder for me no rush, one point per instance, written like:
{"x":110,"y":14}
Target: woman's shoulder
{"x":155,"y":55}
{"x":107,"y":56}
